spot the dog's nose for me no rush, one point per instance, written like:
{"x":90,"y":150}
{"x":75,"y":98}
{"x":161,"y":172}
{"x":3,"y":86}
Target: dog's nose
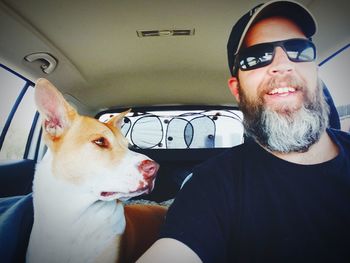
{"x":148,"y":168}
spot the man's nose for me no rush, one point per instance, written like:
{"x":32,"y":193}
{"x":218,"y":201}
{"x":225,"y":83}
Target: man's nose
{"x":281,"y":63}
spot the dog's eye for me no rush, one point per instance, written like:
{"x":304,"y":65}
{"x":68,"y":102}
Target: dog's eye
{"x":101,"y":142}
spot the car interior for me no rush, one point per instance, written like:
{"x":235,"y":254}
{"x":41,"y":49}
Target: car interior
{"x":164,"y":60}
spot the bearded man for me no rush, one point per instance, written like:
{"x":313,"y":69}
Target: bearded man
{"x":283,"y":195}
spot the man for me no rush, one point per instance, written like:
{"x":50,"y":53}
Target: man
{"x":283,"y":195}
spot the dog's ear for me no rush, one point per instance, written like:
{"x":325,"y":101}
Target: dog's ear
{"x":116,"y":121}
{"x":57,"y":113}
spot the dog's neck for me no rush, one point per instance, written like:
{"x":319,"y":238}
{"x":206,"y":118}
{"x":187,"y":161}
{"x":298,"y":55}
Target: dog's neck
{"x":70,"y":227}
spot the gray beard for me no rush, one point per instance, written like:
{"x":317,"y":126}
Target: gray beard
{"x":288,"y":131}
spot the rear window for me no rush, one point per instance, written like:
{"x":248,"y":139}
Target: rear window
{"x":182,"y":129}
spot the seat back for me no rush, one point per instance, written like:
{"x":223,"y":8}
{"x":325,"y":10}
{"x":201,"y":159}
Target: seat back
{"x":334,"y":120}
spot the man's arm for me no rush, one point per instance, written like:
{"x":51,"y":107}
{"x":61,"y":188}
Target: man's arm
{"x":169,"y":250}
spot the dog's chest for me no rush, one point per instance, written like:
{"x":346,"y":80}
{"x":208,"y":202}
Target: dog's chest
{"x":54,"y":238}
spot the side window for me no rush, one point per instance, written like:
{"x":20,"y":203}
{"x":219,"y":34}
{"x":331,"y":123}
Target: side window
{"x":17,"y":113}
{"x":334,"y":71}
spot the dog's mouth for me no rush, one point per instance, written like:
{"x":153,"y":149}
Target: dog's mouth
{"x":109,"y":196}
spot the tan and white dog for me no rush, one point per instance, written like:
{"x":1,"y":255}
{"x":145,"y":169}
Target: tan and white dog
{"x":87,"y":168}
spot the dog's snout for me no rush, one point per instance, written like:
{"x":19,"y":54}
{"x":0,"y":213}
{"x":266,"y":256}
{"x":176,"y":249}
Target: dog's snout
{"x":148,"y":168}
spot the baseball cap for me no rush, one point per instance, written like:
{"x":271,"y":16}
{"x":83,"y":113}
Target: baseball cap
{"x":289,"y":9}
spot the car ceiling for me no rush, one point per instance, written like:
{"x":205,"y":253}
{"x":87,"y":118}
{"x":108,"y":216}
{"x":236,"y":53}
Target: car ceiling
{"x":102,"y":63}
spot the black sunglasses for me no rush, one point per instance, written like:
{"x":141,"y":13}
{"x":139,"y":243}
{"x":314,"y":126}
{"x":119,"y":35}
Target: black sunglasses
{"x":260,"y":55}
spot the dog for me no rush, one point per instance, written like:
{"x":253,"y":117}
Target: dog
{"x":79,"y":186}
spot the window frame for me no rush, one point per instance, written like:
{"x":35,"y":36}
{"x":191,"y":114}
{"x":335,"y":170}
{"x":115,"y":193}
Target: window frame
{"x":29,"y":142}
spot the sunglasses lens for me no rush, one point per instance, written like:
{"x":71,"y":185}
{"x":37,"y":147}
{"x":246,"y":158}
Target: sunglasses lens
{"x":256,"y":56}
{"x":300,"y":50}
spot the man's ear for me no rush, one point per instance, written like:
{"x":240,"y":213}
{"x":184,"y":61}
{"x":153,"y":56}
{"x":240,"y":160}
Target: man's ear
{"x":233,"y":86}
{"x":57,"y":114}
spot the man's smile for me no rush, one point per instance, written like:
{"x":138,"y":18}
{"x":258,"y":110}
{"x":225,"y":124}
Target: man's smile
{"x":283,"y":98}
{"x":282,"y":91}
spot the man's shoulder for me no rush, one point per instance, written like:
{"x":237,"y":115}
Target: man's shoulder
{"x":340,"y":137}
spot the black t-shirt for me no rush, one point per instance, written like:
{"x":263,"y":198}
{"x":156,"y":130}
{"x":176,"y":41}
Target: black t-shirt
{"x":247,"y":205}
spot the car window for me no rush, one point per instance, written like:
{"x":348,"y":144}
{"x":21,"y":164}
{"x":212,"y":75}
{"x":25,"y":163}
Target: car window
{"x":182,"y":129}
{"x":334,"y":71}
{"x":17,"y":114}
